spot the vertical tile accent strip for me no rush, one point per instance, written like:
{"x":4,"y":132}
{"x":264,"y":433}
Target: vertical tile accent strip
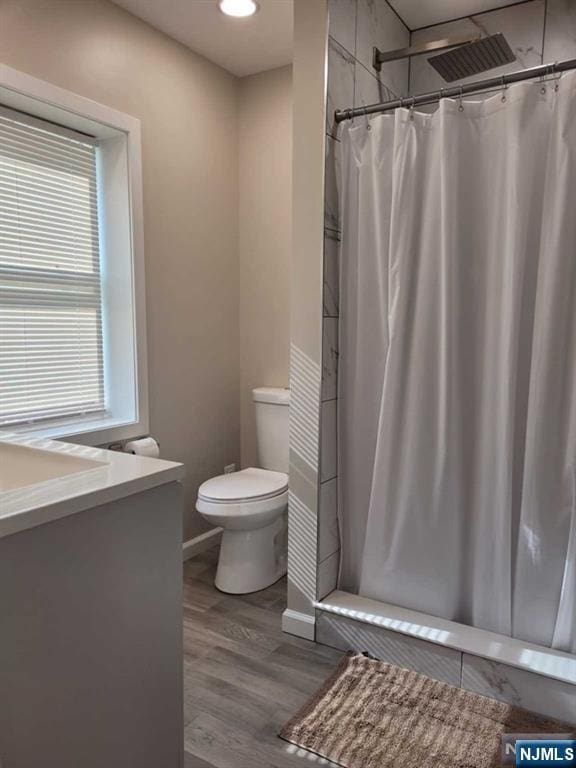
{"x":305,"y":377}
{"x":302,"y":551}
{"x":305,"y":382}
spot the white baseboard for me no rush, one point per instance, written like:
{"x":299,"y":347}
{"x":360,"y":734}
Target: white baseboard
{"x":201,"y":543}
{"x":299,"y":624}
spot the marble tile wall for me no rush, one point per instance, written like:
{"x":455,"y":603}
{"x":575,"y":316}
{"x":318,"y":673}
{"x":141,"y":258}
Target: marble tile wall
{"x":538,"y":31}
{"x":523,"y":689}
{"x":355,"y":26}
{"x":560,"y":34}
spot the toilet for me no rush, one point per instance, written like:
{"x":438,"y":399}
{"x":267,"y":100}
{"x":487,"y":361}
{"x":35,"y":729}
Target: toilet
{"x":251,"y":505}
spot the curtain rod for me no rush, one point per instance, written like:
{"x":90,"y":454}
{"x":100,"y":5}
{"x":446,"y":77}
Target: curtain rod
{"x":457,"y":90}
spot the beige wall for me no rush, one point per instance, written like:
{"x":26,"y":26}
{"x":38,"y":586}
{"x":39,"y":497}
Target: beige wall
{"x":188,"y":109}
{"x":265,"y":239}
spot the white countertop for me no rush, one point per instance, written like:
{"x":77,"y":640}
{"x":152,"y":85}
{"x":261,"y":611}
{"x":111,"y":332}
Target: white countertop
{"x":90,"y":477}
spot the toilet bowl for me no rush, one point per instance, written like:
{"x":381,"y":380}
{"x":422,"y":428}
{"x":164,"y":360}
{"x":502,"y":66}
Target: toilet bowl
{"x":251,"y":505}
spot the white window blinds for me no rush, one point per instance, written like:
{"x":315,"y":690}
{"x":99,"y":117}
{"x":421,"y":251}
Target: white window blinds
{"x":51,"y":357}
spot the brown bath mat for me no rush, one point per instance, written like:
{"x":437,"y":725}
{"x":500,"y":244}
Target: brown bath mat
{"x":370,"y":714}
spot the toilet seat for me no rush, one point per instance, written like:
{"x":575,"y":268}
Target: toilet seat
{"x":243,"y":515}
{"x":244,"y":500}
{"x":246,"y":486}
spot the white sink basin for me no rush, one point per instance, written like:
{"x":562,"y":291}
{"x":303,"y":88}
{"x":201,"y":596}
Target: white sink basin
{"x":21,"y":465}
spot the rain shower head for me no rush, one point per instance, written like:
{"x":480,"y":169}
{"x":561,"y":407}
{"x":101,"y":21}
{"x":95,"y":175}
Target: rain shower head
{"x":473,"y":58}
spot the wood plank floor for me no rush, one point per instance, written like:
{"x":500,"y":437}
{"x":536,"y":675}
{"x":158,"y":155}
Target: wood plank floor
{"x":243,"y":678}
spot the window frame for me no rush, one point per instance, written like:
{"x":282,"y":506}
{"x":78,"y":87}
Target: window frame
{"x":122,"y":254}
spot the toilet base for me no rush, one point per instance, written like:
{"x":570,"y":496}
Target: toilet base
{"x":252,"y":560}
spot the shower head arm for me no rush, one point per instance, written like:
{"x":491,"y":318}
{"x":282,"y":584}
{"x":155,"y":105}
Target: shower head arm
{"x":419,"y":49}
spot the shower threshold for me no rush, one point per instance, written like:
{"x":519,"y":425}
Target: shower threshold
{"x":461,"y":637}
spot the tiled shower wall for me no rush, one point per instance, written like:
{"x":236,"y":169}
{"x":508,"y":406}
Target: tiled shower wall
{"x":537,"y":30}
{"x":355,"y":26}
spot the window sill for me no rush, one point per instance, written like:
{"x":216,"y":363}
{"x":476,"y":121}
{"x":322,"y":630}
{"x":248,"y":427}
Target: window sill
{"x":103,"y":430}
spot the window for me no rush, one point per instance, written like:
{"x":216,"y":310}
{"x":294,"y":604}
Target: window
{"x":51,"y":345}
{"x":72,"y":295}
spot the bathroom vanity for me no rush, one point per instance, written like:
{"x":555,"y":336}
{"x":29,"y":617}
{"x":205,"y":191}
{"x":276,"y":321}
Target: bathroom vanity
{"x":90,"y":608}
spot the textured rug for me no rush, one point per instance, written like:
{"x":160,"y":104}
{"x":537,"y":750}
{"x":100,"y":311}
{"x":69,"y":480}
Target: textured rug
{"x":370,"y":714}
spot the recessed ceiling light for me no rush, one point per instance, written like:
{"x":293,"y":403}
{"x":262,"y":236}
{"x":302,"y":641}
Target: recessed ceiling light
{"x":238,"y":8}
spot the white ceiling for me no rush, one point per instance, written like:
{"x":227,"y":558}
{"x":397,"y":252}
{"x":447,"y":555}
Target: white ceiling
{"x":421,"y":13}
{"x":242,"y":46}
{"x":264,"y":41}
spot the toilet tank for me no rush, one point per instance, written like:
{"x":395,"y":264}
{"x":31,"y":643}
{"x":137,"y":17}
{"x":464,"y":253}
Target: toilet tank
{"x":272,"y":406}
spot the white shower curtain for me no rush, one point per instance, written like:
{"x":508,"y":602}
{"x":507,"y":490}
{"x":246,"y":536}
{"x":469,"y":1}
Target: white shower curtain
{"x":457,"y":376}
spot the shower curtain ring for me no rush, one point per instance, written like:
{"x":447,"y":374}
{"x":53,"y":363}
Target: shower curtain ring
{"x":412,"y":108}
{"x":504,"y":88}
{"x":556,"y":84}
{"x":367,"y":120}
{"x":543,"y":80}
{"x":368,"y":126}
{"x":460,"y":104}
{"x":551,"y":69}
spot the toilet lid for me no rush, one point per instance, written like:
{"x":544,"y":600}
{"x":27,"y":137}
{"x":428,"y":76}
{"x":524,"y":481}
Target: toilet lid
{"x":246,"y":485}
